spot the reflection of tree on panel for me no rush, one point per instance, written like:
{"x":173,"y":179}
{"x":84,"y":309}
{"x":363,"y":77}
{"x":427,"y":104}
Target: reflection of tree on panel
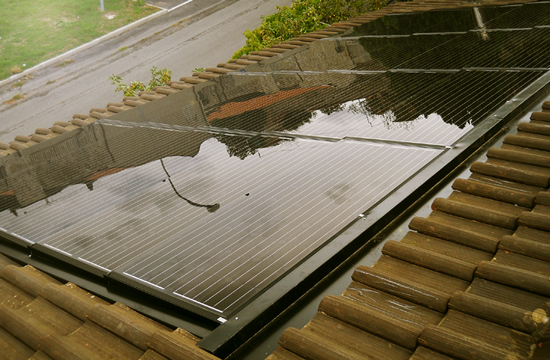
{"x":95,"y":151}
{"x":259,"y":120}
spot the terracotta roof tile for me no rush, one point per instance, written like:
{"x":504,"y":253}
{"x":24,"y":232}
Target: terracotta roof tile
{"x":40,"y":138}
{"x":286,"y":46}
{"x":536,"y":220}
{"x":17,"y":145}
{"x":152,"y":355}
{"x":177,"y":345}
{"x":61,"y":129}
{"x":27,"y":278}
{"x":246,"y":62}
{"x":283,"y":354}
{"x":134,"y":101}
{"x":79,"y":122}
{"x":12,"y":296}
{"x":89,"y":341}
{"x":399,"y":330}
{"x":40,"y":316}
{"x":150,"y":97}
{"x":166,"y":90}
{"x":503,"y":305}
{"x":465,"y":334}
{"x":126,"y":323}
{"x":219,"y":70}
{"x":498,"y":189}
{"x":13,"y":349}
{"x":37,"y":320}
{"x":423,"y":353}
{"x":209,"y":75}
{"x":436,"y":287}
{"x":99,"y":115}
{"x":118,"y":108}
{"x":393,"y":284}
{"x":527,"y":247}
{"x":275,"y":50}
{"x":39,"y":355}
{"x":72,"y":299}
{"x":4,"y":262}
{"x":326,"y":337}
{"x":406,"y":310}
{"x":480,"y":209}
{"x":192,"y":80}
{"x":447,"y":248}
{"x":179,"y":85}
{"x":461,"y":231}
{"x":446,"y":264}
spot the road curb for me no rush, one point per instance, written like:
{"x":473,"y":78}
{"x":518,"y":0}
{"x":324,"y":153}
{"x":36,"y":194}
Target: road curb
{"x":84,"y":46}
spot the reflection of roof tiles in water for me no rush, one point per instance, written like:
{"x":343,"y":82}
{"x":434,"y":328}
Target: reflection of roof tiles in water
{"x":236,"y":108}
{"x":470,"y":281}
{"x":388,"y":310}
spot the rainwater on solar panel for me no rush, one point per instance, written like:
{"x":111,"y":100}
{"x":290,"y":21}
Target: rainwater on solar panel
{"x":211,"y":195}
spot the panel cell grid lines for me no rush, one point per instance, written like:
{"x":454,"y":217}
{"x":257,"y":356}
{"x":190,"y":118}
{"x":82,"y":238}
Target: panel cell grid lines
{"x":209,"y":196}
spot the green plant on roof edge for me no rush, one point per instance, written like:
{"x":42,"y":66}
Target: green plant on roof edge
{"x":159,"y":77}
{"x":302,"y":17}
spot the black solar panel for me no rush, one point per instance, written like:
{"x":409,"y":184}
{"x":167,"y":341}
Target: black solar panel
{"x":210,"y":195}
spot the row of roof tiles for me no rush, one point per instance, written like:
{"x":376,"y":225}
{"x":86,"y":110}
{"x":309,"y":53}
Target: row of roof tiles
{"x":42,"y":318}
{"x":470,"y":281}
{"x":79,"y":120}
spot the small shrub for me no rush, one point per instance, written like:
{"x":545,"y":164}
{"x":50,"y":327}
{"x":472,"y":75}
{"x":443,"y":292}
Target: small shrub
{"x":201,"y":69}
{"x":302,"y":17}
{"x":158,"y":78}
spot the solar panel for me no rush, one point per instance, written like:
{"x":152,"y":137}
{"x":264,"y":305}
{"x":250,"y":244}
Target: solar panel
{"x":209,"y":196}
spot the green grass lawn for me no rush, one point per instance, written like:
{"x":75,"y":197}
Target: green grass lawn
{"x":32,"y":31}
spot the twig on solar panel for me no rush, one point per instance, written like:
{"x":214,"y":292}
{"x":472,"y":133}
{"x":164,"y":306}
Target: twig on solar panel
{"x":210,"y":208}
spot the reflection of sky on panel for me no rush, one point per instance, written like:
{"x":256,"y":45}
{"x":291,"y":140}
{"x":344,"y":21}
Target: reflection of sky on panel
{"x":289,"y":210}
{"x":77,"y":203}
{"x":351,"y":119}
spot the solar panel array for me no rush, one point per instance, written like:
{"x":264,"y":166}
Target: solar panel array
{"x":212,"y":194}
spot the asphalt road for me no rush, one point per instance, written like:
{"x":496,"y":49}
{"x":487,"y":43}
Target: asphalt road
{"x":197,"y":33}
